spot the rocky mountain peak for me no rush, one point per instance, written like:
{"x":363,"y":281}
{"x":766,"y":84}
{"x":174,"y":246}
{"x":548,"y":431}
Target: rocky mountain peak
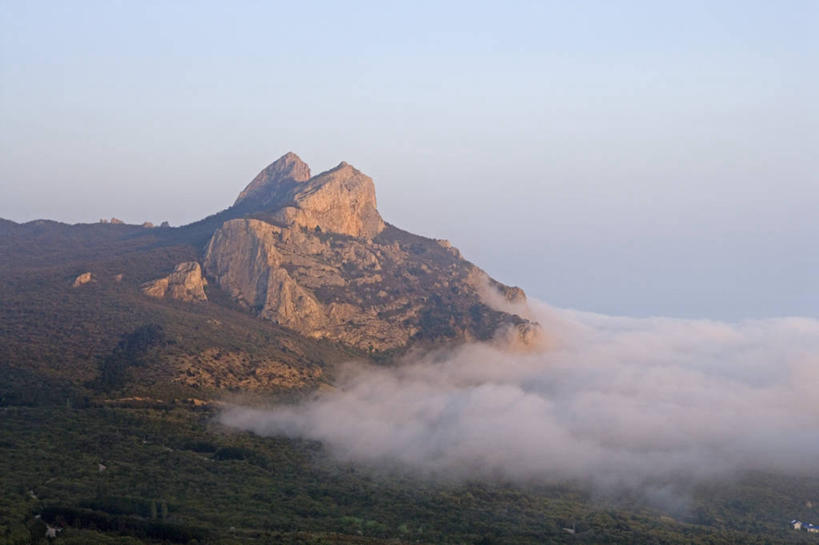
{"x":375,"y":294}
{"x":375,"y":288}
{"x":340,"y":200}
{"x":273,"y":180}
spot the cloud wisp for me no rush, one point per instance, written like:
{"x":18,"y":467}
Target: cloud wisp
{"x":612,"y":401}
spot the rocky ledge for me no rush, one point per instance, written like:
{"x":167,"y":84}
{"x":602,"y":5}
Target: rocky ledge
{"x":185,"y":283}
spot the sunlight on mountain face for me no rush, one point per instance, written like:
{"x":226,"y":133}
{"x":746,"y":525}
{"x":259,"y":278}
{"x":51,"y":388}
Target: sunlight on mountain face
{"x":615,"y":401}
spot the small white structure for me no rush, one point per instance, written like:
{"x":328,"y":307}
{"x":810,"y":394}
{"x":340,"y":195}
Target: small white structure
{"x":799,"y":525}
{"x":51,"y":531}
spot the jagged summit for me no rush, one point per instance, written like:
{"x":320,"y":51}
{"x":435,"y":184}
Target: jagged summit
{"x":340,"y":200}
{"x":377,"y":288}
{"x":277,"y":177}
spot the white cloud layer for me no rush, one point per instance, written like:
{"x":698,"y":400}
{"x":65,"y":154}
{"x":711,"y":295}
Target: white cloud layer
{"x":611,"y":401}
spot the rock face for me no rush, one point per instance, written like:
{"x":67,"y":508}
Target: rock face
{"x":243,"y":258}
{"x":185,"y":283}
{"x":341,"y":200}
{"x":274,"y":182}
{"x":313,"y":254}
{"x":376,"y":293}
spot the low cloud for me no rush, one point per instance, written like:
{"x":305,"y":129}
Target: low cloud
{"x":611,"y":401}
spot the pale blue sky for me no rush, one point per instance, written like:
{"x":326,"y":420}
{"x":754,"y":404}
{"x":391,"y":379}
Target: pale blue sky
{"x":625,"y":157}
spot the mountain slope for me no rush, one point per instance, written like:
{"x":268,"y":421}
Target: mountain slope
{"x":301,"y":272}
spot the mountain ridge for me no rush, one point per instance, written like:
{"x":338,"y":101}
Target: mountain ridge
{"x":307,"y":254}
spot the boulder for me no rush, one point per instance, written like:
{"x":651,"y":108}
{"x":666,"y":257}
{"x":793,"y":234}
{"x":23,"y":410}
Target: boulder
{"x":84,"y":278}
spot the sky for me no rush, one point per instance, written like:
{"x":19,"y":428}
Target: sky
{"x":629,"y":158}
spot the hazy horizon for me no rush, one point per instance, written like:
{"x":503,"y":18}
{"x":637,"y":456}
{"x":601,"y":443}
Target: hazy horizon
{"x":636,"y":159}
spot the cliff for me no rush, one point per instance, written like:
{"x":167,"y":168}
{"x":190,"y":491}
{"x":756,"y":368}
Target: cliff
{"x":341,"y":200}
{"x":316,"y":256}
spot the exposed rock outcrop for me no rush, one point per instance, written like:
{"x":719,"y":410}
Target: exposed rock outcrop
{"x":314,"y":255}
{"x":495,"y":294}
{"x":84,"y":278}
{"x":185,"y":283}
{"x":243,"y":258}
{"x":341,"y":200}
{"x":375,"y":294}
{"x":273,"y":183}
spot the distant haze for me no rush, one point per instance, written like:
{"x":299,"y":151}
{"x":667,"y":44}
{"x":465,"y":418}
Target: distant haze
{"x":637,"y":158}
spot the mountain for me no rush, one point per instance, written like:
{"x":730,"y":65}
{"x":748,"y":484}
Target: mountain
{"x":300,"y":273}
{"x":119,"y":345}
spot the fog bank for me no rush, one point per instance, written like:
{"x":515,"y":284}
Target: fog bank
{"x":611,"y":401}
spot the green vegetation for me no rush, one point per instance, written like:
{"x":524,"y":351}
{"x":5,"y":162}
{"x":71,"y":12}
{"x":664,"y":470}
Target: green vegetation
{"x":61,"y":344}
{"x":131,"y":351}
{"x":170,"y":474}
